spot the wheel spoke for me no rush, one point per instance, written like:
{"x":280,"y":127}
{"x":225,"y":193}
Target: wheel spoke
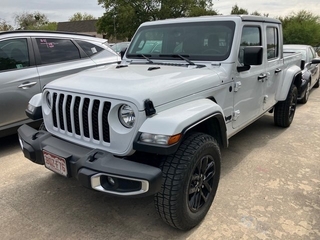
{"x":192,"y":190}
{"x":195,"y":177}
{"x":194,"y":201}
{"x":198,"y":201}
{"x":209,"y":166}
{"x":203,"y":197}
{"x":207,"y":185}
{"x":204,"y":164}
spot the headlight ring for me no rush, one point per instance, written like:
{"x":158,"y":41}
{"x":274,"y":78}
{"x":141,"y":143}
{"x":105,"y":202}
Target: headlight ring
{"x":126,"y":116}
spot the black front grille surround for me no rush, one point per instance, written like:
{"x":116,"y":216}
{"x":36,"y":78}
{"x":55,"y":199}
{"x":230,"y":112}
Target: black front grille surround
{"x":74,"y":114}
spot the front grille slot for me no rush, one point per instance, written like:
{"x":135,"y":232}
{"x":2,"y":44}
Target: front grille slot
{"x":68,"y":113}
{"x":95,"y":119}
{"x":61,"y":111}
{"x":82,"y":116}
{"x":85,"y":118}
{"x":76,"y":115}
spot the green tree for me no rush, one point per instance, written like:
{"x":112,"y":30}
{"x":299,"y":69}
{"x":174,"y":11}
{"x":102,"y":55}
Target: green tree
{"x":237,"y":11}
{"x":256,"y":13}
{"x":78,"y":16}
{"x":50,"y":26}
{"x":122,"y":17}
{"x":4,"y":26}
{"x":301,"y":28}
{"x":27,"y":21}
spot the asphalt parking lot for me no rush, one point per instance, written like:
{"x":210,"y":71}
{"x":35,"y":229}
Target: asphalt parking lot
{"x":269,"y":189}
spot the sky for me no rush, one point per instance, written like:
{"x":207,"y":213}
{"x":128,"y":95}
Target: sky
{"x":62,"y":10}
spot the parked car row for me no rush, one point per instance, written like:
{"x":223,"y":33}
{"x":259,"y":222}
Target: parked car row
{"x":311,"y":68}
{"x":31,"y":59}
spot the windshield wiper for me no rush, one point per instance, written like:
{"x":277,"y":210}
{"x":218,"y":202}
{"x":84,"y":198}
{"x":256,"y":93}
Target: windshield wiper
{"x":148,"y":59}
{"x":178,"y":56}
{"x":141,"y":55}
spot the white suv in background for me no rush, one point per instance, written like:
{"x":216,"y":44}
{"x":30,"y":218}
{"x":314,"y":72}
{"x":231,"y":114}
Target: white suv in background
{"x":31,"y":59}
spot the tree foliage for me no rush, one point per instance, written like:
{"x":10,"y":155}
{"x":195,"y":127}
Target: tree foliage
{"x":256,"y":13}
{"x":237,"y":11}
{"x":50,"y":26}
{"x":123,"y":17}
{"x":301,"y":28}
{"x":4,"y":26}
{"x":27,"y":21}
{"x":78,"y":16}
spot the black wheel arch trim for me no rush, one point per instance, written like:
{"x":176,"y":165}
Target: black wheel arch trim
{"x":167,"y":150}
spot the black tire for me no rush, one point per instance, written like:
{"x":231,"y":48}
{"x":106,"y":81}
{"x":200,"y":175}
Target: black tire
{"x":284,"y":110}
{"x":42,"y":127}
{"x":307,"y":93}
{"x":190,"y":182}
{"x":317,"y":84}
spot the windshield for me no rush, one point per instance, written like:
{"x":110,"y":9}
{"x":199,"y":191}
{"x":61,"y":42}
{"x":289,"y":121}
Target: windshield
{"x":210,"y":41}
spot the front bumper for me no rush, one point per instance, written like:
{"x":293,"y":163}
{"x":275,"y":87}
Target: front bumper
{"x":94,"y":168}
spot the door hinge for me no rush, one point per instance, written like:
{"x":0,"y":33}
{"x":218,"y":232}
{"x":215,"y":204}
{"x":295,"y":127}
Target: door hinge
{"x":265,"y":98}
{"x":237,"y":86}
{"x":236,"y":114}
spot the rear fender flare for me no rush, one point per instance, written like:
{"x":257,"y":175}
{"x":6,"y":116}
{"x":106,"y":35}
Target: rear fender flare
{"x":290,"y":77}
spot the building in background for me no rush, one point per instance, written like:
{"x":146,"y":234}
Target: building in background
{"x":84,"y":27}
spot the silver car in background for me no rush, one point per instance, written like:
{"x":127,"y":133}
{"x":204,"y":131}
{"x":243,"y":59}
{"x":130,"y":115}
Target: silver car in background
{"x":311,"y":71}
{"x":31,"y":59}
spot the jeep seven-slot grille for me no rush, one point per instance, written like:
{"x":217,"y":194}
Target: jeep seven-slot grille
{"x":82,"y":111}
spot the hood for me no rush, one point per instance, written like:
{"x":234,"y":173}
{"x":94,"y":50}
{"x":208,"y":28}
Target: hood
{"x":138,"y":82}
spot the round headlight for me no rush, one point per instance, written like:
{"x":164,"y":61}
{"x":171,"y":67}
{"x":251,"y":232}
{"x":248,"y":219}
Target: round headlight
{"x":48,"y":100}
{"x":126,"y":116}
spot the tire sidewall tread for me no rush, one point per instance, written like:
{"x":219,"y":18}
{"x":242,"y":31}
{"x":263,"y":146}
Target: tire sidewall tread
{"x":171,"y":202}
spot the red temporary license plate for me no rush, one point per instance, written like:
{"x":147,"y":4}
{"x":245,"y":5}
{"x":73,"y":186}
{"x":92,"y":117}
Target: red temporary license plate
{"x":55,"y":163}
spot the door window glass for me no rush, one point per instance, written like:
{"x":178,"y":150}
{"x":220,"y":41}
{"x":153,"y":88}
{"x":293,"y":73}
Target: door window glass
{"x":57,"y":50}
{"x":251,"y":36}
{"x":272,"y":42}
{"x":14,"y":54}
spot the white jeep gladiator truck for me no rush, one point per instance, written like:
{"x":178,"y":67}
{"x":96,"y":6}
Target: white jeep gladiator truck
{"x":154,"y":124}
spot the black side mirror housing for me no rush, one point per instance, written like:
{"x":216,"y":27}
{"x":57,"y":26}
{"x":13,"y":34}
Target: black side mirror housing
{"x":315,"y":61}
{"x":251,"y":56}
{"x":303,"y":64}
{"x":122,"y":52}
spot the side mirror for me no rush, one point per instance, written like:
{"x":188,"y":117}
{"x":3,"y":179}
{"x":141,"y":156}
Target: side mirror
{"x":315,"y":61}
{"x":122,"y":52}
{"x":303,"y":64}
{"x":251,"y":56}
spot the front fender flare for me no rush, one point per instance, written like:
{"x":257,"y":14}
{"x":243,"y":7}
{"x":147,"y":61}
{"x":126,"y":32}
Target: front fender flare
{"x":180,"y":119}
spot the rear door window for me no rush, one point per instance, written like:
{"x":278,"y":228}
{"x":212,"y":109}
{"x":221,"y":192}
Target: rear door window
{"x":272,"y":43}
{"x":57,"y":50}
{"x":89,"y":48}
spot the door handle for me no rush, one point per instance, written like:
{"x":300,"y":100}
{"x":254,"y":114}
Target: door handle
{"x":262,"y":77}
{"x":278,"y":70}
{"x":27,"y":85}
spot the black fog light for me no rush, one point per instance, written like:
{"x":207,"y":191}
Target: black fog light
{"x":111,"y":181}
